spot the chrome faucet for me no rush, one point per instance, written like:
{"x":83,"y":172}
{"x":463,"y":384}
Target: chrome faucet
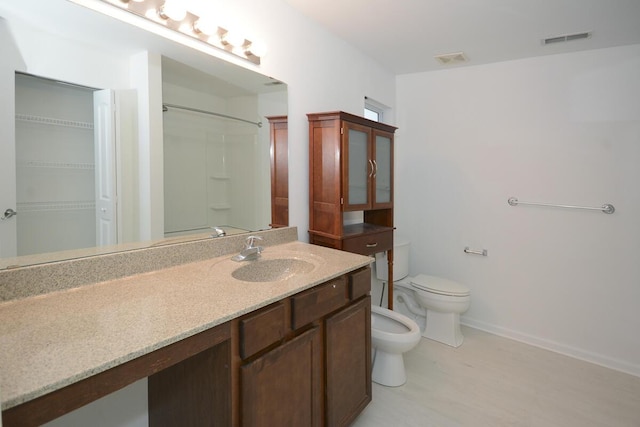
{"x":250,"y":250}
{"x":219,"y":232}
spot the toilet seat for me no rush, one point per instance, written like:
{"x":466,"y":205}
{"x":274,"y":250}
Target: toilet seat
{"x":392,"y":334}
{"x":392,"y":326}
{"x":440,"y":286}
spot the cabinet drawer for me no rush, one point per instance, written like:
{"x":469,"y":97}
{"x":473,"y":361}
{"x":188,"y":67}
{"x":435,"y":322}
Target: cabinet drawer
{"x":311,"y":305}
{"x":368,"y":244}
{"x":359,"y":283}
{"x":260,"y":330}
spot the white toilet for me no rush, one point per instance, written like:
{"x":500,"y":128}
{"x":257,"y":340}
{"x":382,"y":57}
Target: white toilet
{"x":433,"y":302}
{"x":392,"y":334}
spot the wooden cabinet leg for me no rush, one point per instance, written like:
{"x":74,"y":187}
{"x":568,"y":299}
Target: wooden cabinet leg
{"x":390,"y":278}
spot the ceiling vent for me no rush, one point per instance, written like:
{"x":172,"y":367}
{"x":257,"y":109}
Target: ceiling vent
{"x":566,"y":38}
{"x":451,"y":58}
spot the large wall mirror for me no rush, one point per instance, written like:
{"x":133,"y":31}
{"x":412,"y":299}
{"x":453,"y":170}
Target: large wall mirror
{"x":115,"y":138}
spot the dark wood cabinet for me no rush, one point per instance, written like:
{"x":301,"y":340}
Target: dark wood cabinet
{"x":348,"y":373}
{"x":283,"y":386}
{"x":279,"y":153}
{"x":351,"y":169}
{"x":317,"y":372}
{"x":367,"y":168}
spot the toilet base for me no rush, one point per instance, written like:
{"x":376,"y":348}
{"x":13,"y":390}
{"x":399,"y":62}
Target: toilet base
{"x":388,"y":368}
{"x":444,"y":328}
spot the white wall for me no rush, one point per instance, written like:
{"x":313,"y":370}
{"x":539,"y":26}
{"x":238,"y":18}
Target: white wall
{"x":557,"y":129}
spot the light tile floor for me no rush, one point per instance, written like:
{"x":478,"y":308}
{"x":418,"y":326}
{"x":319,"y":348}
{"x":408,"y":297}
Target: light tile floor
{"x":493,"y":381}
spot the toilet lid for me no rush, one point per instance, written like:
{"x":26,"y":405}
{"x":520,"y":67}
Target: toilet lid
{"x":438,"y":285}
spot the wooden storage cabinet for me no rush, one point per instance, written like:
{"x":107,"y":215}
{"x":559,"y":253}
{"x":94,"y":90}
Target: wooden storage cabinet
{"x":351,"y":169}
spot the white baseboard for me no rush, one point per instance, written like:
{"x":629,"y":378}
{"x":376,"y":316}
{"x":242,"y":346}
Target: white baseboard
{"x":598,"y":359}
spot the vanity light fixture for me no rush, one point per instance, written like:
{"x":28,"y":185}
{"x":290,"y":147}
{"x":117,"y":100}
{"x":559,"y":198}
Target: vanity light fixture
{"x":172,"y":15}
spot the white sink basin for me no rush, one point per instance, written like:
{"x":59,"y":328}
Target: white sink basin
{"x":272,"y":270}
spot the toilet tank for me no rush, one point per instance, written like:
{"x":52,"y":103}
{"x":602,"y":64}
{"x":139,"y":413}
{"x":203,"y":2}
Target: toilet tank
{"x":400,"y":260}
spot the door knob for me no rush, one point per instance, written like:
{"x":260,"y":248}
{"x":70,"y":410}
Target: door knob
{"x":8,"y":214}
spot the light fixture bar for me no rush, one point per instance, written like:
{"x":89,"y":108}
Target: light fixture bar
{"x":168,"y":14}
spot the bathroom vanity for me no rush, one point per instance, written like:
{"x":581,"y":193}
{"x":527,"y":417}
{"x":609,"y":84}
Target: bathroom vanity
{"x":291,"y":348}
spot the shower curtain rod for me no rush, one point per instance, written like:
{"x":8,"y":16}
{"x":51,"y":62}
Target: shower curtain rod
{"x":165,"y":107}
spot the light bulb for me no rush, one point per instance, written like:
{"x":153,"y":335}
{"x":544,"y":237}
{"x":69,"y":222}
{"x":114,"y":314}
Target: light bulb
{"x":257,"y":48}
{"x":233,"y":38}
{"x":173,"y":10}
{"x":205,"y":26}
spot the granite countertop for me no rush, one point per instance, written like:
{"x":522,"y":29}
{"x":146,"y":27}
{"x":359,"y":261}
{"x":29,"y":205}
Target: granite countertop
{"x":50,"y":341}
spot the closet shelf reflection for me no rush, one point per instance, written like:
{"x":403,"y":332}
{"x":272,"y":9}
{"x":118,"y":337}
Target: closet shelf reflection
{"x":53,"y":122}
{"x":55,"y":165}
{"x":26,"y":207}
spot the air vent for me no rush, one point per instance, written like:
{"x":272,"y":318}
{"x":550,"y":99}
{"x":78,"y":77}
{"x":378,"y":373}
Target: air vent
{"x":566,"y":38}
{"x":451,"y":58}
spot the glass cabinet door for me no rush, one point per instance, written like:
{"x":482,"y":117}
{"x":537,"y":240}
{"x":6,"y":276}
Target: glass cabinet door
{"x":383,"y":164}
{"x":359,"y":167}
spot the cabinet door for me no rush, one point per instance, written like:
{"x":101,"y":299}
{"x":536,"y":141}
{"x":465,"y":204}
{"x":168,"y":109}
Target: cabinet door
{"x":357,"y":167}
{"x":348,"y":359}
{"x":283,"y":387}
{"x":382,"y":186}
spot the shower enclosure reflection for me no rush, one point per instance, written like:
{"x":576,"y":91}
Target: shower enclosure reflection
{"x":216,"y":165}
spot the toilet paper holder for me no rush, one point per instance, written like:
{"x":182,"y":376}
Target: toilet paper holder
{"x":483,"y":252}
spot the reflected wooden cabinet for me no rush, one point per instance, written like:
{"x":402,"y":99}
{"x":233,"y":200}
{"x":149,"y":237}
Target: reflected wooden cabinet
{"x":351,"y":169}
{"x":279,"y":153}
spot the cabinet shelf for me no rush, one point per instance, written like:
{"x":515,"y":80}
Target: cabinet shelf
{"x":364,"y":228}
{"x":53,"y":121}
{"x":56,"y":165}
